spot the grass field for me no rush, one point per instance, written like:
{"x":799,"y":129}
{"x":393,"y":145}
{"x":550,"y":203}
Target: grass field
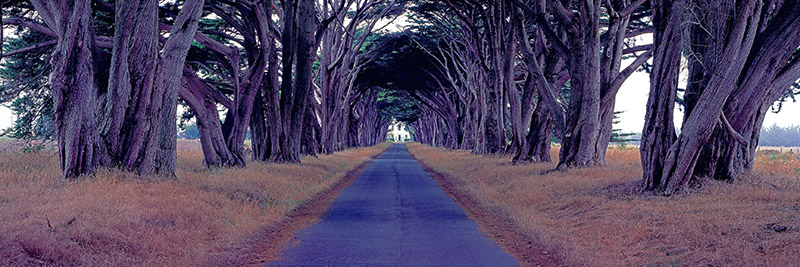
{"x":598,"y":217}
{"x":117,"y":219}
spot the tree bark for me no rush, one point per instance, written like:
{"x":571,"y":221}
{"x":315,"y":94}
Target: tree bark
{"x":173,"y":57}
{"x":267,"y":124}
{"x":730,"y":45}
{"x":139,"y":129}
{"x":738,"y":67}
{"x":259,"y":131}
{"x":72,"y":83}
{"x":659,"y":129}
{"x":578,"y":147}
{"x":302,"y":85}
{"x":200,"y":99}
{"x":730,"y":151}
{"x":611,"y":77}
{"x":537,"y":146}
{"x":130,"y":95}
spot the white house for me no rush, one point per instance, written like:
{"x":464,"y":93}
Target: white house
{"x":398,"y":132}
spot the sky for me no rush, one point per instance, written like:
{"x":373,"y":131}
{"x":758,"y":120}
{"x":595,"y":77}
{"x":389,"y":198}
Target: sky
{"x":632,"y":101}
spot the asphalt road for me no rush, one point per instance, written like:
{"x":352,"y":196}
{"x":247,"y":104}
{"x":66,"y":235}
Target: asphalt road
{"x":394,"y":214}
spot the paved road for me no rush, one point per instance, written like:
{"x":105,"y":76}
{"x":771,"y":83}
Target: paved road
{"x":395,"y":214}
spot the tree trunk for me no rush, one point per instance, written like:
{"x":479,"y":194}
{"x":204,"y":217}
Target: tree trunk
{"x":287,"y":92}
{"x":274,"y":117}
{"x":740,"y":67}
{"x":606,"y":127}
{"x":130,"y":98}
{"x":139,"y":129}
{"x":259,"y":132}
{"x":199,"y":98}
{"x":305,"y":59}
{"x":310,"y":138}
{"x":265,"y":125}
{"x":72,"y":83}
{"x":244,"y":100}
{"x":492,"y":117}
{"x":479,"y":120}
{"x":659,"y":129}
{"x":173,"y":57}
{"x":514,"y":97}
{"x":611,"y":78}
{"x":770,"y":68}
{"x":716,"y":83}
{"x":578,"y":147}
{"x":537,"y":146}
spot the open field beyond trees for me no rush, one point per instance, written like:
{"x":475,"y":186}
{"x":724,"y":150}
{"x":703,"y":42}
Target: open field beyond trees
{"x":118,"y":219}
{"x":599,"y":216}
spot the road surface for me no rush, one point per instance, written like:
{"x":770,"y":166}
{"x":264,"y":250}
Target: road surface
{"x":394,"y":214}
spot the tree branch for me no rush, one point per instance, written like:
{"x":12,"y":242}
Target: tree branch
{"x":101,"y":41}
{"x":724,"y":120}
{"x":561,"y":13}
{"x":24,"y":22}
{"x":637,"y":49}
{"x":623,"y":75}
{"x":628,"y":10}
{"x":30,"y":48}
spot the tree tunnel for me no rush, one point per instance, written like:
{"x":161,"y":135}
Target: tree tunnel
{"x":503,"y":77}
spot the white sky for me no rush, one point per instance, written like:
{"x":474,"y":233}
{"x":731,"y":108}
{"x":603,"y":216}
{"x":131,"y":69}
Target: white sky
{"x":6,"y":118}
{"x":632,"y":99}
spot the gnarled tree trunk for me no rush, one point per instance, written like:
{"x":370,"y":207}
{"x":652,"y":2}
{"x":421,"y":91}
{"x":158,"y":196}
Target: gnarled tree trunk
{"x":139,"y":128}
{"x":735,"y":25}
{"x":173,"y":57}
{"x":770,"y":69}
{"x":537,"y":146}
{"x":578,"y":145}
{"x":72,"y":83}
{"x":659,"y":130}
{"x":200,"y":98}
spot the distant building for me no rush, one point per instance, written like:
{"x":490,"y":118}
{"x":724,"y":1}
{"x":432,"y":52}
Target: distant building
{"x":398,"y":132}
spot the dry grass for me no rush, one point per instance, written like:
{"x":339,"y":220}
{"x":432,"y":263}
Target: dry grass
{"x":597,"y":216}
{"x":116,"y":219}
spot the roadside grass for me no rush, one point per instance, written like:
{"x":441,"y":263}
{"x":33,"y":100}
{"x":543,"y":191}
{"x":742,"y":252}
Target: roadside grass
{"x":599,"y":217}
{"x":117,"y":219}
